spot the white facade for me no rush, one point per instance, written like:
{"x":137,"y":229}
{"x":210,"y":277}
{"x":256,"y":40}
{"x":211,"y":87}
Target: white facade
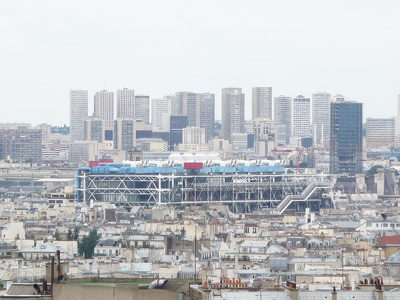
{"x":160,"y":114}
{"x":78,"y":112}
{"x":380,"y":132}
{"x":321,"y":117}
{"x":104,"y":107}
{"x":194,"y":135}
{"x":125,"y":103}
{"x":142,"y":108}
{"x":282,"y":119}
{"x":264,"y":140}
{"x":301,"y":117}
{"x":262,"y":102}
{"x":233,"y":112}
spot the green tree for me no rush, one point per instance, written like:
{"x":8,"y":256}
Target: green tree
{"x":371,"y":172}
{"x":88,"y":243}
{"x":70,"y":236}
{"x":76,"y":234}
{"x":56,"y":235}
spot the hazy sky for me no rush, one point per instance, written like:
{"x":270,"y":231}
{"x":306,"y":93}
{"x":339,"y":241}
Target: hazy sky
{"x":160,"y":47}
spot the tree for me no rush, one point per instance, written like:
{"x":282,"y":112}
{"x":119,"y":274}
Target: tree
{"x":73,"y":235}
{"x":88,"y":243}
{"x":70,"y":236}
{"x":56,"y":235}
{"x":76,"y":234}
{"x":371,"y":172}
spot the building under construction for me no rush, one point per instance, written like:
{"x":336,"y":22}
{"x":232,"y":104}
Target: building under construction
{"x":243,"y":185}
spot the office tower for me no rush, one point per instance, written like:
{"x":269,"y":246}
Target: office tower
{"x":321,"y":117}
{"x":232,"y":112}
{"x":200,"y":110}
{"x":126,"y":103}
{"x":142,"y":108}
{"x":282,"y":119}
{"x":160,"y":113}
{"x":193,"y":135}
{"x":177,"y":123}
{"x":262,"y":102}
{"x":191,"y":107}
{"x":346,"y":137}
{"x":124,"y":134}
{"x":380,"y":132}
{"x":78,"y":104}
{"x":176,"y":103}
{"x":104,"y":107}
{"x":301,"y":122}
{"x":264,"y":137}
{"x":93,"y":129}
{"x":21,"y":144}
{"x":207,"y":116}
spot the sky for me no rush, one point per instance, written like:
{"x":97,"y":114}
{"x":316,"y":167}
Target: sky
{"x":48,"y":47}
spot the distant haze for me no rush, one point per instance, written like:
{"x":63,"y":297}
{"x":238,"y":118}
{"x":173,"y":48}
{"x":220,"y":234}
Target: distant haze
{"x":160,"y":47}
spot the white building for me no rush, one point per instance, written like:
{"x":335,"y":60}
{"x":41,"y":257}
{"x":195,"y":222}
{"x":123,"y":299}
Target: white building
{"x":233,"y":112}
{"x":194,"y":135}
{"x":142,"y":108}
{"x":264,"y":138}
{"x":160,"y":114}
{"x":78,"y":112}
{"x":282,"y":119}
{"x":301,"y":117}
{"x":380,"y":132}
{"x":321,"y":117}
{"x":126,"y":103}
{"x":104,"y":107}
{"x":262,"y":102}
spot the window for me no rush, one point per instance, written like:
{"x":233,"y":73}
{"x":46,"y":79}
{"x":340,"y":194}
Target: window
{"x":254,"y":230}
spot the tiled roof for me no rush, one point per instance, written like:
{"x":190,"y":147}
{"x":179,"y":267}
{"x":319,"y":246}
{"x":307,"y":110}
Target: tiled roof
{"x":389,"y":240}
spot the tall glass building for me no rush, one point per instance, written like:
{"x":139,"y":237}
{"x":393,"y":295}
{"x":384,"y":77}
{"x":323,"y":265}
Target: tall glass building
{"x":346,"y":137}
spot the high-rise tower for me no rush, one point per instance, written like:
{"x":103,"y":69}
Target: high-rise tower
{"x":142,"y":108}
{"x":282,"y":119}
{"x":301,"y":117}
{"x":125,"y":103}
{"x":232,"y":120}
{"x":321,"y":117}
{"x":78,"y":112}
{"x":104,"y":107}
{"x":346,"y":137}
{"x":262,"y":102}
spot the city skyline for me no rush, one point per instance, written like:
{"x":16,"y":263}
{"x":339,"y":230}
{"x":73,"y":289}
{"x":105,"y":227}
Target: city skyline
{"x":56,"y":48}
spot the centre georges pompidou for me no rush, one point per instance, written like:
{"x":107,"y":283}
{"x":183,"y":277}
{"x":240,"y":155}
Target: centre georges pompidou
{"x":243,"y":185}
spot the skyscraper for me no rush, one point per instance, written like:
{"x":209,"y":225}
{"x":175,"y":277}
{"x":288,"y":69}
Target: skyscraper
{"x":207,"y":116}
{"x":93,"y":128}
{"x":124,"y":134}
{"x":232,"y":112}
{"x":264,"y":137}
{"x":301,"y":117}
{"x":142,"y":108}
{"x":78,"y":112}
{"x":160,"y":114}
{"x":282,"y":119}
{"x":104,"y":107}
{"x":126,"y":103}
{"x":191,"y":107}
{"x":321,"y":117}
{"x":380,"y":131}
{"x":262,"y":102}
{"x":346,"y":137}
